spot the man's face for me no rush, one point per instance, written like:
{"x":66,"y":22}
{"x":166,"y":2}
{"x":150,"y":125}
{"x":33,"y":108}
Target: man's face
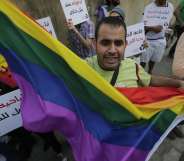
{"x":110,"y":46}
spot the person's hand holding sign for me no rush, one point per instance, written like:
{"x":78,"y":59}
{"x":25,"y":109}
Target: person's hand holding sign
{"x":71,"y":26}
{"x":155,"y":29}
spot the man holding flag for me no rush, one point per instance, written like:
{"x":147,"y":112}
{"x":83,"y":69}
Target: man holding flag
{"x":100,"y":123}
{"x":110,"y":46}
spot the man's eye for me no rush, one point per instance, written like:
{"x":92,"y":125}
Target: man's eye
{"x":105,"y":42}
{"x":118,"y":42}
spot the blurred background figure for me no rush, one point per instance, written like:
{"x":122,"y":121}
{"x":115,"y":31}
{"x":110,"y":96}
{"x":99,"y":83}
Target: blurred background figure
{"x":81,"y":37}
{"x":155,"y":34}
{"x":7,"y":153}
{"x":179,"y":26}
{"x":117,"y":11}
{"x":178,"y":62}
{"x":7,"y":82}
{"x":104,"y":9}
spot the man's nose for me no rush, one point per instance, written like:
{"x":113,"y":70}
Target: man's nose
{"x":112,"y":48}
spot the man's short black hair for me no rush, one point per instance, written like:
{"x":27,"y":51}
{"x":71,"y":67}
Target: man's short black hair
{"x":115,"y":21}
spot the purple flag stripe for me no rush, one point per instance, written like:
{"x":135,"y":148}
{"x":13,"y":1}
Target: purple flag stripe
{"x":42,"y":116}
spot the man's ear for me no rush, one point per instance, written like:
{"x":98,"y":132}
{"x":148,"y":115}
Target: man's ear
{"x":126,"y":43}
{"x":94,"y":43}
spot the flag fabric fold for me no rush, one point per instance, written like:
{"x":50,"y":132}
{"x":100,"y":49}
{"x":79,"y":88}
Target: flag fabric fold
{"x":61,"y":92}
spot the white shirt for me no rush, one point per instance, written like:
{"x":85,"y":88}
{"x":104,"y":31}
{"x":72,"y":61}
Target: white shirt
{"x":155,"y":15}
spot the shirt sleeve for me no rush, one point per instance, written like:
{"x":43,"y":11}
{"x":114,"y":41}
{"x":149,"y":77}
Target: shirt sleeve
{"x":144,"y":76}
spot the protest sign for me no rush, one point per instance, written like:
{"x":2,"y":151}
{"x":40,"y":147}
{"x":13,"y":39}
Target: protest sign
{"x":158,"y":16}
{"x":135,"y":39}
{"x":46,"y":23}
{"x":10,"y":117}
{"x":75,"y":10}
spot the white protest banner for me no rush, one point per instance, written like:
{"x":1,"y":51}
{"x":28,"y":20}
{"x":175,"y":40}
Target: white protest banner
{"x":46,"y":23}
{"x":10,"y":117}
{"x":135,"y":39}
{"x":158,"y":16}
{"x":75,"y":10}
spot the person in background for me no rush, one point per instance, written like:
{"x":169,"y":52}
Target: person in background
{"x":117,"y":11}
{"x":7,"y":82}
{"x":179,"y":26}
{"x":155,"y":36}
{"x":178,"y":72}
{"x":81,"y":38}
{"x":104,"y":9}
{"x":179,"y":13}
{"x":178,"y":61}
{"x":7,"y":153}
{"x":20,"y":141}
{"x":3,"y":64}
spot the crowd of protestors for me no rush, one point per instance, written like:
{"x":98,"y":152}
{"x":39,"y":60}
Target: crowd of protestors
{"x":103,"y":48}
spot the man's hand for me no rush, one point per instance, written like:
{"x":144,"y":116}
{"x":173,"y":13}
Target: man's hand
{"x":162,"y":81}
{"x":71,"y":26}
{"x":155,"y":29}
{"x":145,"y":44}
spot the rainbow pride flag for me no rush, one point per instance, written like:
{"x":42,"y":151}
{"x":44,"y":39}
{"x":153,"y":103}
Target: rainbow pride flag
{"x":61,"y":92}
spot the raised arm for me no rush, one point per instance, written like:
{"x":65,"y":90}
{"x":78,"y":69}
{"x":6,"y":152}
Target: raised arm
{"x":87,"y":42}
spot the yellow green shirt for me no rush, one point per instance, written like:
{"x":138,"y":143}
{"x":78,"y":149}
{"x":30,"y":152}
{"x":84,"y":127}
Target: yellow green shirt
{"x":127,"y":73}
